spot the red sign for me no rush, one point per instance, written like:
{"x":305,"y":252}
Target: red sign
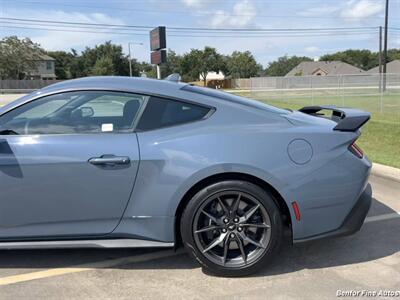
{"x":158,"y":57}
{"x":158,"y":39}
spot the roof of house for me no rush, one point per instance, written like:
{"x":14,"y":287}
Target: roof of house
{"x":45,"y":57}
{"x":329,"y":67}
{"x":392,"y":67}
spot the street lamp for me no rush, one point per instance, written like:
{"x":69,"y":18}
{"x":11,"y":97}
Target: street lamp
{"x":130,"y":57}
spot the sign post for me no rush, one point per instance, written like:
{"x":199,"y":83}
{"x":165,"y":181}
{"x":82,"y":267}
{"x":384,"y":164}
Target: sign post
{"x":158,"y":43}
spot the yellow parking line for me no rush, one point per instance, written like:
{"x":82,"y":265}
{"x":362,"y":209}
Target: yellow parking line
{"x":86,"y":267}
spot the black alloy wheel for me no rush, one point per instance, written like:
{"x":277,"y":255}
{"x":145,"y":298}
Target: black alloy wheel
{"x":232,"y":227}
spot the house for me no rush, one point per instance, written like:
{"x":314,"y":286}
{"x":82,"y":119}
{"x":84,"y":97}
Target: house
{"x":391,"y":68}
{"x":45,"y":68}
{"x":214,"y":76}
{"x":324,"y":68}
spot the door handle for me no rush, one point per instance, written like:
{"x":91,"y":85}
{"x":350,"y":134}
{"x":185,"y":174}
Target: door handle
{"x":110,"y":160}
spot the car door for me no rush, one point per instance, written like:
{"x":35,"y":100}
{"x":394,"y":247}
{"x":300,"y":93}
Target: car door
{"x":68,"y":164}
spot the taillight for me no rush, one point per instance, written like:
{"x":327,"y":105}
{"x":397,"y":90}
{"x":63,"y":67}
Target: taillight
{"x":356,"y":150}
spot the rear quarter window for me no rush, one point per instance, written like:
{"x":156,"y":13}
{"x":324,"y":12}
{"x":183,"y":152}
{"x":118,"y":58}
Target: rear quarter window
{"x":160,"y":112}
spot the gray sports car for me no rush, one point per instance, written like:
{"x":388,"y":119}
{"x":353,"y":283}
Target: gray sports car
{"x":134,"y":162}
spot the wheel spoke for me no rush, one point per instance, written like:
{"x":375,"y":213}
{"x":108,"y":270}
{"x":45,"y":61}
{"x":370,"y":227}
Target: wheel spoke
{"x":249,"y":213}
{"x":251,"y":241}
{"x":211,"y":217}
{"x":240,"y":244}
{"x":235,"y":205}
{"x":207,"y":228}
{"x":263,"y":225}
{"x":226,"y":249}
{"x":214,"y":243}
{"x":223,"y":206}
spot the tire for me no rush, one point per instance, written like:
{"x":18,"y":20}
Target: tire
{"x":232,"y":228}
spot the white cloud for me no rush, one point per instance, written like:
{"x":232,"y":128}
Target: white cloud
{"x":311,"y":49}
{"x":193,"y":3}
{"x":243,"y":13}
{"x":362,"y":9}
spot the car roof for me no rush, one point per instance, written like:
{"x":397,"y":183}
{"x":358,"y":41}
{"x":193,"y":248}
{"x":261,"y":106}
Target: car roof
{"x":134,"y":84}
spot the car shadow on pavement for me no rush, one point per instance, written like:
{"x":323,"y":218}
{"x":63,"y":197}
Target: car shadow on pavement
{"x":375,"y":240}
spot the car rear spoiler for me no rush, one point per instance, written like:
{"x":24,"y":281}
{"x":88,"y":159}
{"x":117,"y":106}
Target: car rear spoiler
{"x":347,"y":119}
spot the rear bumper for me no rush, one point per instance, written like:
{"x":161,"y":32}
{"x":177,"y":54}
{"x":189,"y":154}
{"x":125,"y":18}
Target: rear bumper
{"x":353,"y":221}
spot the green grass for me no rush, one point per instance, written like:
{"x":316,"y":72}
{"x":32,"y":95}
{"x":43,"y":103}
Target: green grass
{"x":380,"y":138}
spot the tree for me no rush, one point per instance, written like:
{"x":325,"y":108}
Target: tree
{"x":173,"y":64}
{"x":63,"y":63}
{"x":284,"y":65}
{"x":363,"y":59}
{"x":103,"y":66}
{"x":146,"y":69}
{"x":18,"y":57}
{"x":199,"y":62}
{"x":86,"y":61}
{"x":242,"y":65}
{"x":393,"y":54}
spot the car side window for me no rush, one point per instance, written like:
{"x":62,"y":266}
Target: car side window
{"x":74,"y":112}
{"x":160,"y":112}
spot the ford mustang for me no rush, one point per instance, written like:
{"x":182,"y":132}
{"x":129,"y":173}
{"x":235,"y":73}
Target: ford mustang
{"x":133,"y":162}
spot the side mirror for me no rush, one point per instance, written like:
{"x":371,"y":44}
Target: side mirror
{"x":86,"y":111}
{"x":83,"y":112}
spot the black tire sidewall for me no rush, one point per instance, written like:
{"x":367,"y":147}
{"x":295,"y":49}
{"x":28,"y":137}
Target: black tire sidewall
{"x":265,"y":198}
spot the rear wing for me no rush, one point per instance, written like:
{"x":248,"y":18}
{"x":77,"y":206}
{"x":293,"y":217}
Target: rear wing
{"x":347,"y":119}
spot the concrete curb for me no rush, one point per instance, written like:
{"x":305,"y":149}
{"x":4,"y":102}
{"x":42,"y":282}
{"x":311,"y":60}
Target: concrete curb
{"x":385,"y":172}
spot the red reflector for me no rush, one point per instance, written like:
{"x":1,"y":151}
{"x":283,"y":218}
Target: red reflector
{"x":296,"y":210}
{"x":356,"y":150}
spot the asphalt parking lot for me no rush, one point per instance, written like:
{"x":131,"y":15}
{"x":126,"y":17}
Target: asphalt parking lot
{"x":367,"y":261}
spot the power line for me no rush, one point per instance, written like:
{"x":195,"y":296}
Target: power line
{"x":255,"y":33}
{"x":191,"y":28}
{"x":262,"y":35}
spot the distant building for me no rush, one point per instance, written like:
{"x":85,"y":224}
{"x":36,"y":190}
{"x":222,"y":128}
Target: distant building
{"x":214,"y":76}
{"x":45,"y":68}
{"x":324,"y":68}
{"x":391,"y":68}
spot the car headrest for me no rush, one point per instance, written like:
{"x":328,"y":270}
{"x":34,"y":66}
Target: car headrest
{"x":130,"y":108}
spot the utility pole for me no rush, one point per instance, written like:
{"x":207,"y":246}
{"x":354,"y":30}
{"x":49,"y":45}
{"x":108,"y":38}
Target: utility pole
{"x":385,"y":44}
{"x":380,"y":58}
{"x":380,"y":49}
{"x":130,"y":56}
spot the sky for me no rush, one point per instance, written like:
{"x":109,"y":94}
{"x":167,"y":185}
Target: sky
{"x":215,"y":14}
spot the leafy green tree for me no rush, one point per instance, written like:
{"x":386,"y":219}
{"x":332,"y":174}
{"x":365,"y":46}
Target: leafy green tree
{"x":173,"y":64}
{"x":393,"y":54}
{"x":284,"y":65}
{"x":77,"y":68}
{"x":63,"y":63}
{"x":86,"y":61}
{"x":197,"y":63}
{"x":242,"y":65}
{"x":146,"y":69}
{"x":18,"y":57}
{"x":363,"y":59}
{"x":103,"y":66}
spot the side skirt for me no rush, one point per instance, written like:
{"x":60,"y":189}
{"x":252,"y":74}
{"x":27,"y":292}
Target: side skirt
{"x":108,"y":243}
